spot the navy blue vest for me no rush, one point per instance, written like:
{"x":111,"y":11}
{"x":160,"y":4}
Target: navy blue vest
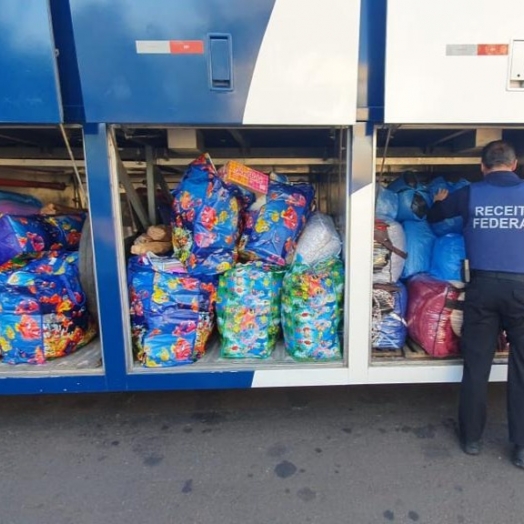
{"x":494,"y":232}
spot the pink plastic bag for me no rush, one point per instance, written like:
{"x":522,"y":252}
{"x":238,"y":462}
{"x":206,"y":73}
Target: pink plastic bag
{"x":431,"y":303}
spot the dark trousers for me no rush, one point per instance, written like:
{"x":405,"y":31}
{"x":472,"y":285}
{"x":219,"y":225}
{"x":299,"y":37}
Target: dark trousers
{"x":491,"y":304}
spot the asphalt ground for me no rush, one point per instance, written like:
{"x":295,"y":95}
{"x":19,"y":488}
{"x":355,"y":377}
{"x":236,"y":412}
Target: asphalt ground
{"x":373,"y":454}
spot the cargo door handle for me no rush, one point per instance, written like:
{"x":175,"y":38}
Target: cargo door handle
{"x":221,"y":62}
{"x":517,"y":61}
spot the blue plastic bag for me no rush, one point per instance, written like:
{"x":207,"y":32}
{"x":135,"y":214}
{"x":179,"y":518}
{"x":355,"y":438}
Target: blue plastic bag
{"x":271,"y":232}
{"x":387,"y":203}
{"x":38,"y":233}
{"x":414,"y":199}
{"x":171,"y":314}
{"x":43,"y":314}
{"x":449,"y":225}
{"x":419,"y":247}
{"x":206,"y":214}
{"x":66,"y":230}
{"x":449,"y":251}
{"x":23,"y":234}
{"x":389,"y":327}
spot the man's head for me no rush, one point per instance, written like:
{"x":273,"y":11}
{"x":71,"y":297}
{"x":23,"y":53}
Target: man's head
{"x":498,"y":156}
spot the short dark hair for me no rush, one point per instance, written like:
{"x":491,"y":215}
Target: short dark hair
{"x":498,"y":153}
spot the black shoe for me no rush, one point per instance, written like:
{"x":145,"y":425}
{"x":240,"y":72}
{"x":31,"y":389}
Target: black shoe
{"x":471,"y":448}
{"x":518,"y":456}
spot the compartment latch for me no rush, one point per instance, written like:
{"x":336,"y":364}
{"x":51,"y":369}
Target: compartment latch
{"x":221,"y":62}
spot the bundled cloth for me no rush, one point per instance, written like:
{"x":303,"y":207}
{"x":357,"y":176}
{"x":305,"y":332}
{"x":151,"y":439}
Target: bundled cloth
{"x":319,"y":241}
{"x":429,"y":317}
{"x":38,"y":233}
{"x":206,"y":220}
{"x":389,"y":328}
{"x":17,"y":204}
{"x":419,"y":247}
{"x":248,"y":310}
{"x":389,"y":253}
{"x":274,"y":222}
{"x":414,"y":199}
{"x":43,"y":314}
{"x":312,"y":310}
{"x":171,"y":314}
{"x":449,"y":252}
{"x":448,"y":225}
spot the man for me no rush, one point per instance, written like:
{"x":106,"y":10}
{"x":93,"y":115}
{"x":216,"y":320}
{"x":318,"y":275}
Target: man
{"x":493,"y":215}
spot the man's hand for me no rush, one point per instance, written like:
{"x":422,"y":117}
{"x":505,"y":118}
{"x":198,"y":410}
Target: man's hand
{"x":441,"y":195}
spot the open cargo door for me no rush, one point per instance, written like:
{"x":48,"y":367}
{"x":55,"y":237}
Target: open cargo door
{"x":29,"y":92}
{"x":270,"y":62}
{"x":455,"y":61}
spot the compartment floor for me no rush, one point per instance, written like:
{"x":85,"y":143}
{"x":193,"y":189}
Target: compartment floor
{"x":87,"y":358}
{"x":212,"y":359}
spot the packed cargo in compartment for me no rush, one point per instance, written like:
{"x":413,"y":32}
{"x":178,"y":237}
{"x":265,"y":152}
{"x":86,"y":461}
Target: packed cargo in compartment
{"x":235,"y":254}
{"x":49,"y":311}
{"x":418,"y":276}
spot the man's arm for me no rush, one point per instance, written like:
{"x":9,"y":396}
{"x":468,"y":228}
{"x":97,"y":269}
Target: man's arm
{"x":450,"y":205}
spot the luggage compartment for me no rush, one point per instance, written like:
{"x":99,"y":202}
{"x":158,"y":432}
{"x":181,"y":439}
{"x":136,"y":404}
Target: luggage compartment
{"x":428,"y":157}
{"x":153,"y":160}
{"x":46,"y":164}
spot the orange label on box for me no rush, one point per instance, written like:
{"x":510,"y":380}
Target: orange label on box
{"x":237,"y":173}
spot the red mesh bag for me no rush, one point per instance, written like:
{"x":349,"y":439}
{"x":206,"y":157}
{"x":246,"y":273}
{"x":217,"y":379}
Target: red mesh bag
{"x":431,"y":304}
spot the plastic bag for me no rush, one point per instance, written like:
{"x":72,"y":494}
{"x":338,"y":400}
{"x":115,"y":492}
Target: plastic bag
{"x":38,"y":233}
{"x":449,"y":225}
{"x":431,"y":304}
{"x":66,"y":230}
{"x":271,"y":230}
{"x":17,"y":204}
{"x":389,"y":327}
{"x":43,"y":314}
{"x":206,"y":214}
{"x":248,"y":310}
{"x":171,"y":314}
{"x":419,"y":247}
{"x":312,"y":310}
{"x":449,"y":252}
{"x":319,"y":241}
{"x":387,"y":203}
{"x":21,"y":234}
{"x":414,"y":199}
{"x":389,"y":251}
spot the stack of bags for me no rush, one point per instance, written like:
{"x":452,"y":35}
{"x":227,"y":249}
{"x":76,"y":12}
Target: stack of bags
{"x":44,"y":314}
{"x":234,"y":237}
{"x":432,"y":270}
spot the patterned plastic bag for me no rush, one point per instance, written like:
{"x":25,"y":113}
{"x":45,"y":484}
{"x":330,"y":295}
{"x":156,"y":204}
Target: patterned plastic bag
{"x":66,"y":230}
{"x":312,"y":310}
{"x":271,"y":230}
{"x":248,"y":310}
{"x":171,"y":314}
{"x":38,"y":233}
{"x":206,"y":214}
{"x":43,"y":314}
